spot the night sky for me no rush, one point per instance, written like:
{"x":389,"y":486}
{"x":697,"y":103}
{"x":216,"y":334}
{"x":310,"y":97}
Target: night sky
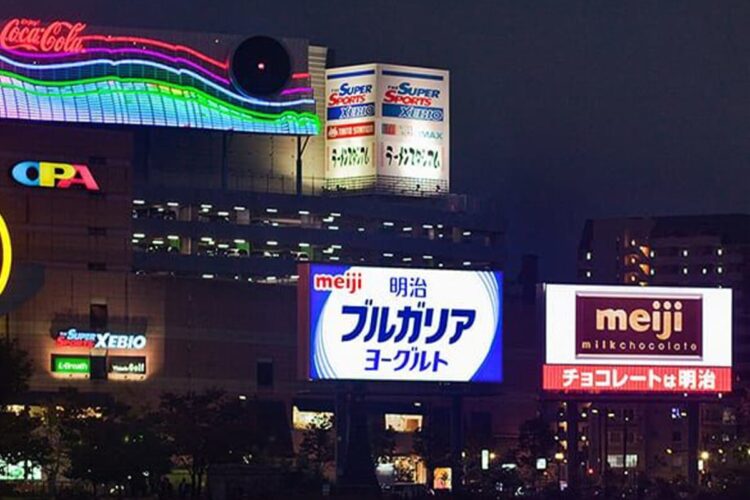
{"x":561,"y":111}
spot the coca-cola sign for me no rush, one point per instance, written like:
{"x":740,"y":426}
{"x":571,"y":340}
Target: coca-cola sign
{"x":32,"y":36}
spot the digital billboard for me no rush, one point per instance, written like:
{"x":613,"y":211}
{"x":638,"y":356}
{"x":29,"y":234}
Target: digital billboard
{"x":388,"y":126}
{"x":637,"y":339}
{"x":67,"y":71}
{"x":398,"y":324}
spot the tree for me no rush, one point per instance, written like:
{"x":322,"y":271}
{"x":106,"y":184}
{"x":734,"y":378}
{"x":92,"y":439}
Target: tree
{"x":535,"y":440}
{"x":433,"y":445}
{"x":317,"y":447}
{"x":382,"y":442}
{"x":15,"y":370}
{"x":21,"y":441}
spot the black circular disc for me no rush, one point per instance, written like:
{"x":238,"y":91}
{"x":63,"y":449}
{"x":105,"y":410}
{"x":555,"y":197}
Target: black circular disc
{"x":260,"y":66}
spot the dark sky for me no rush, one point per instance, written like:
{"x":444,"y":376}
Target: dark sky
{"x":561,"y":110}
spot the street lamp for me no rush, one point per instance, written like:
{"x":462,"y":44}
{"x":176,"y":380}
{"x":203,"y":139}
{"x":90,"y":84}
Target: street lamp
{"x":705,"y":455}
{"x":559,"y":457}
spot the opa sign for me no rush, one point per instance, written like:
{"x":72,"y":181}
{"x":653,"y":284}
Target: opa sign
{"x":53,"y":175}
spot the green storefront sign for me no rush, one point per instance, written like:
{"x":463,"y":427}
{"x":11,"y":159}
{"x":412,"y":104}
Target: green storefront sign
{"x":71,"y":364}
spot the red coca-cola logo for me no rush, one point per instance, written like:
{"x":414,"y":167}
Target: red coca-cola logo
{"x":32,"y":36}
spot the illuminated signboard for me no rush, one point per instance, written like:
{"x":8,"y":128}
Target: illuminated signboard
{"x":66,"y":71}
{"x":638,"y":339}
{"x":71,"y":365}
{"x":53,"y":175}
{"x":21,"y":471}
{"x":6,"y":257}
{"x":388,"y":126}
{"x":373,"y":323}
{"x":126,"y":365}
{"x":100,"y":340}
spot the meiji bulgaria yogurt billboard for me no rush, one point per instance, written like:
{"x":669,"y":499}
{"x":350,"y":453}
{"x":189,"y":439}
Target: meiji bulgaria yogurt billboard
{"x":398,"y":324}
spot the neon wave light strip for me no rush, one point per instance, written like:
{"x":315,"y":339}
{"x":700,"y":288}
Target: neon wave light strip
{"x":145,"y":52}
{"x":157,"y":43}
{"x":178,"y":72}
{"x":138,"y":101}
{"x":7,"y":255}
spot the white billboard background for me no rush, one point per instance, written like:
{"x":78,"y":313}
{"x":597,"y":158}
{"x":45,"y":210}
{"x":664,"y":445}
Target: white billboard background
{"x":560,"y":326}
{"x":336,"y":359}
{"x":414,"y":139}
{"x":349,"y":157}
{"x":401,"y":147}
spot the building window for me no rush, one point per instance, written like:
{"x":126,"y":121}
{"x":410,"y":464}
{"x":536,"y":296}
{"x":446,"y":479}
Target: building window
{"x":719,"y":252}
{"x":615,"y":461}
{"x":264,"y":373}
{"x":403,"y":423}
{"x":98,"y":317}
{"x":588,"y":255}
{"x":302,"y":420}
{"x":685,"y":253}
{"x":684,"y":270}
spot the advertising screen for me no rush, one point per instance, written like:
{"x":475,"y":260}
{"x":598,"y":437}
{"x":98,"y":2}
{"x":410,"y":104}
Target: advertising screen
{"x":637,"y":339}
{"x":376,"y":323}
{"x":67,"y":71}
{"x":388,"y":126}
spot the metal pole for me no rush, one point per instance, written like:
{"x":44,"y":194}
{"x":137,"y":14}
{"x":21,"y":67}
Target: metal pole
{"x":299,"y":165}
{"x":693,"y":434}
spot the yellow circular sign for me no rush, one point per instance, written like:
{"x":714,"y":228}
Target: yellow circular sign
{"x":7,"y":255}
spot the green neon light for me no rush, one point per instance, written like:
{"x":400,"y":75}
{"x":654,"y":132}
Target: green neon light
{"x":165,"y":90}
{"x":71,"y":365}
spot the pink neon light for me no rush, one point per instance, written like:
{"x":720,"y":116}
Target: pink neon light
{"x":157,"y":43}
{"x":146,"y":52}
{"x":296,"y":90}
{"x":299,"y":76}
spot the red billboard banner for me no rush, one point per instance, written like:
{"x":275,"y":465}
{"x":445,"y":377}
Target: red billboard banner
{"x":659,"y":326}
{"x":609,"y":378}
{"x":351,"y":130}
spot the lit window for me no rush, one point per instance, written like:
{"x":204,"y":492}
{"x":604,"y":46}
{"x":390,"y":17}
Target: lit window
{"x":173,"y":204}
{"x":302,"y":420}
{"x":719,"y":252}
{"x":467,"y":233}
{"x":588,"y":274}
{"x":206,"y":206}
{"x":272,"y":243}
{"x":336,"y":247}
{"x":139,"y":235}
{"x":388,"y":224}
{"x":173,"y":237}
{"x":239,"y":209}
{"x":304,"y":245}
{"x":304,"y":212}
{"x":652,"y":254}
{"x":467,"y":263}
{"x":427,"y":257}
{"x":403,"y":423}
{"x":387,"y":254}
{"x":653,"y":271}
{"x":406,"y":259}
{"x":720,"y":270}
{"x":632,"y":243}
{"x":684,"y":270}
{"x":333,"y":228}
{"x":704,"y":271}
{"x":328,"y":219}
{"x":407,"y":229}
{"x":685,"y":253}
{"x":272,"y":210}
{"x":335,"y":214}
{"x":426,"y":226}
{"x":240,"y":242}
{"x":588,"y":255}
{"x":361,"y":229}
{"x":207,"y":276}
{"x":139,"y":202}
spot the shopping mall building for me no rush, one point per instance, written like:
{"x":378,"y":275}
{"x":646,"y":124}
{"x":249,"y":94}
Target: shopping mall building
{"x":156,"y":218}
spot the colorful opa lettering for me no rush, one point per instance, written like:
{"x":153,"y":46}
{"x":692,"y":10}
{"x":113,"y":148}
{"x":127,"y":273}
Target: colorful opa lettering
{"x":53,"y":175}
